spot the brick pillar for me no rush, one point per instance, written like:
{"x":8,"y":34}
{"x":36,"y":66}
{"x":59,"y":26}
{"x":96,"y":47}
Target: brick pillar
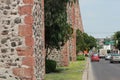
{"x":65,"y":55}
{"x":22,"y":52}
{"x":78,"y":19}
{"x":69,"y":49}
{"x":74,"y":18}
{"x":72,"y":42}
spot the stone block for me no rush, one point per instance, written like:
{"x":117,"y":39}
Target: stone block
{"x":28,"y":61}
{"x":23,"y":73}
{"x":27,"y":9}
{"x":29,"y":41}
{"x":29,"y":19}
{"x":25,"y":30}
{"x":28,"y":1}
{"x":28,"y":51}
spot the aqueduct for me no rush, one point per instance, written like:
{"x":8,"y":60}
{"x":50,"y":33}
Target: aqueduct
{"x":22,"y":37}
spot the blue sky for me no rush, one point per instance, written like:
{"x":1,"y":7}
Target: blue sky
{"x":101,"y":18}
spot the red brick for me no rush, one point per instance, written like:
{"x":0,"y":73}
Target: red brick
{"x":65,"y":55}
{"x":27,"y":9}
{"x":29,"y":41}
{"x":25,"y":30}
{"x":23,"y":72}
{"x":28,"y":30}
{"x":28,"y":1}
{"x":34,"y":78}
{"x":25,"y":51}
{"x":29,"y":61}
{"x":28,"y":19}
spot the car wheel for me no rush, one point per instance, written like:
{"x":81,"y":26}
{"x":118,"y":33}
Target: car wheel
{"x":111,"y":61}
{"x":106,"y":59}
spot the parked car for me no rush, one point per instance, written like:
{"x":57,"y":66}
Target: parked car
{"x":108,"y":57}
{"x":95,"y":57}
{"x":115,"y":58}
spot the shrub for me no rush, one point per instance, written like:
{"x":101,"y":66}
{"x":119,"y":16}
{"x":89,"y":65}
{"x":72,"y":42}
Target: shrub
{"x":80,"y":57}
{"x":50,"y":66}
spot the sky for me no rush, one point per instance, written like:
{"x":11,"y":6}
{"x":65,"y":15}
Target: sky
{"x":100,"y":18}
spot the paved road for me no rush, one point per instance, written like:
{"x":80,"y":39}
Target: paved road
{"x":104,"y":70}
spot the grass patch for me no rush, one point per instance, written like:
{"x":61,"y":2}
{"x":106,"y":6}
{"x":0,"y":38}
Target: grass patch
{"x":73,"y":72}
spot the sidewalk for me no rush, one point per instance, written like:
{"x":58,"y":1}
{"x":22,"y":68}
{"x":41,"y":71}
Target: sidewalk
{"x":88,"y":74}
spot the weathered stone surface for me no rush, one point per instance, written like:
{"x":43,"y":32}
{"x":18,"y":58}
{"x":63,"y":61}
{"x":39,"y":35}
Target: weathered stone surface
{"x":3,"y":50}
{"x":19,"y":29}
{"x":5,"y":12}
{"x":5,"y":32}
{"x":39,"y":39}
{"x":17,"y":20}
{"x":68,"y":51}
{"x":13,"y":44}
{"x":22,"y":47}
{"x":4,"y":40}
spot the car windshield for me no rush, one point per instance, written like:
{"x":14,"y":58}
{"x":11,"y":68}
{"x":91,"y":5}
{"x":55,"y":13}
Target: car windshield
{"x":115,"y":54}
{"x":108,"y":54}
{"x":95,"y":54}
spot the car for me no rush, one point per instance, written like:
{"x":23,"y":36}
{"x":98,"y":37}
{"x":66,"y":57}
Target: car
{"x":108,"y":57}
{"x":95,"y":57}
{"x":115,"y":57}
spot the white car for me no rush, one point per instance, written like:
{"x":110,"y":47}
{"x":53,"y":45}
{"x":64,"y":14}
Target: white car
{"x":108,"y":57}
{"x":115,"y":58}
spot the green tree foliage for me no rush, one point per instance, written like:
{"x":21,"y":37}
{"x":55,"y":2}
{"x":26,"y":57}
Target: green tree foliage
{"x":92,"y":42}
{"x":80,"y":44}
{"x":84,"y":42}
{"x":57,"y":30}
{"x":116,"y":37}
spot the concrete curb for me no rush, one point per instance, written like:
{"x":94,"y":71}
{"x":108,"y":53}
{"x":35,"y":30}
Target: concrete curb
{"x":88,"y":72}
{"x":85,"y":73}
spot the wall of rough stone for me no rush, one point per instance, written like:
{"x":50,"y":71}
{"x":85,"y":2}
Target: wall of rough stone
{"x":71,"y":20}
{"x":22,"y":40}
{"x":59,"y":57}
{"x":68,"y":51}
{"x":78,"y":18}
{"x":74,"y":18}
{"x":56,"y":55}
{"x":39,"y":45}
{"x":65,"y":55}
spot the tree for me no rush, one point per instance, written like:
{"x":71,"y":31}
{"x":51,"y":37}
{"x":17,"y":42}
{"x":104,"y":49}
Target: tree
{"x":84,"y":41}
{"x":116,"y":37}
{"x":90,"y":41}
{"x":80,"y":44}
{"x":57,"y":30}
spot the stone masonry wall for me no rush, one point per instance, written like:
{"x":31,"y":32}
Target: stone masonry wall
{"x":39,"y":45}
{"x":71,"y":19}
{"x":74,"y":18}
{"x":22,"y":40}
{"x":78,"y":18}
{"x":56,"y":55}
{"x":68,"y":51}
{"x":65,"y":55}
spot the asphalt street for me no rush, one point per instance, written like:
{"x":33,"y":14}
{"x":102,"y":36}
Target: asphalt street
{"x":104,"y":70}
